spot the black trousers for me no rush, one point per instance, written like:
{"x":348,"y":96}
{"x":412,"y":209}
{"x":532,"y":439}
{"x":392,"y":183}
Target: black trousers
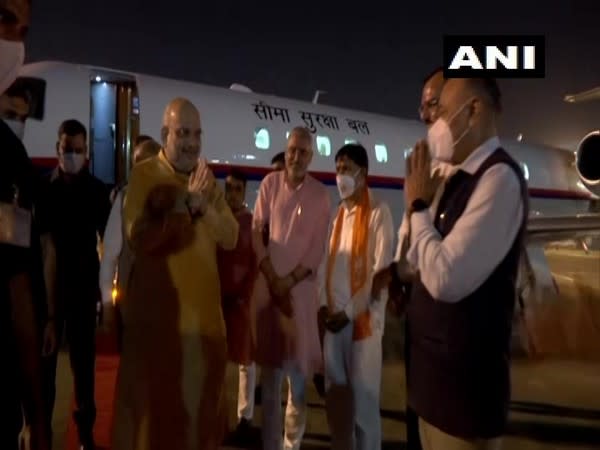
{"x":10,"y":385}
{"x":413,"y":440}
{"x":76,"y":316}
{"x":10,"y":399}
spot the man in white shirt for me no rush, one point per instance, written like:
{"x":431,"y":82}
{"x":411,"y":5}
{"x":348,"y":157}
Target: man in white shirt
{"x":466,"y":253}
{"x":428,"y":109}
{"x":113,"y":236}
{"x":359,"y":246}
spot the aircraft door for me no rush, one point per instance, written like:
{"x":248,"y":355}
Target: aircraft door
{"x":114,"y":126}
{"x":127,"y":129}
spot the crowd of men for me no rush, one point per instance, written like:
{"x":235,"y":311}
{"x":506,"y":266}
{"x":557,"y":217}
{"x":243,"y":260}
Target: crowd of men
{"x":287,"y":287}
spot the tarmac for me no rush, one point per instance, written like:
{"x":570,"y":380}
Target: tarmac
{"x":555,"y":402}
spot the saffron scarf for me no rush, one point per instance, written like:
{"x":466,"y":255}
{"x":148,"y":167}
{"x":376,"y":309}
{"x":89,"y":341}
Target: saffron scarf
{"x":358,"y":260}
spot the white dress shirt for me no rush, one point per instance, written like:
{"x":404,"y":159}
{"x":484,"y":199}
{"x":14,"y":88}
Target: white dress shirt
{"x":113,"y":243}
{"x":381,"y":236}
{"x":454,"y":267}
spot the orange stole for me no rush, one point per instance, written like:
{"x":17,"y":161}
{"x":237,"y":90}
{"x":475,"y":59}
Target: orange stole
{"x":358,"y":260}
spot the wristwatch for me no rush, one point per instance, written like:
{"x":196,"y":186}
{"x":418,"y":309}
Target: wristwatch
{"x":418,"y":205}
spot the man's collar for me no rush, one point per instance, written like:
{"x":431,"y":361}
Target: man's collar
{"x":479,"y":155}
{"x":162,"y":156}
{"x":289,"y":186}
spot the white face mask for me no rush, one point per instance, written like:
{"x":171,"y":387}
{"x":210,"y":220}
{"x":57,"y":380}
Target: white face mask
{"x":17,"y":127}
{"x":346,"y":184}
{"x":71,"y":162}
{"x":440,"y":139}
{"x":12,"y":55}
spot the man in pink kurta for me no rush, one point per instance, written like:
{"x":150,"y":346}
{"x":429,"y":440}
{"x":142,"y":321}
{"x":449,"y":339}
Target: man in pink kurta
{"x":296,"y":207}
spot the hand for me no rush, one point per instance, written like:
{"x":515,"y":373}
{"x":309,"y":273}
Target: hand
{"x":381,"y":280}
{"x":336,"y":322}
{"x":202,"y":179}
{"x":197,"y":202}
{"x":49,"y":346}
{"x":419,"y":182}
{"x":281,"y":287}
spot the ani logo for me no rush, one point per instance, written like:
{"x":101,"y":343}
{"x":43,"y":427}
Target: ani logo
{"x":494,"y":56}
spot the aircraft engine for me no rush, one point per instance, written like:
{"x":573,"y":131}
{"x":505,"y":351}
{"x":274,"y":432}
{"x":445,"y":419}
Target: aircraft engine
{"x":587,"y":161}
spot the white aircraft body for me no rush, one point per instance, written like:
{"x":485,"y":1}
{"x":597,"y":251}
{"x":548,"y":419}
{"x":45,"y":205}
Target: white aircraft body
{"x":245,"y":130}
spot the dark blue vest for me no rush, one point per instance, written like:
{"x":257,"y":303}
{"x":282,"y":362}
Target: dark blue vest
{"x":459,"y":373}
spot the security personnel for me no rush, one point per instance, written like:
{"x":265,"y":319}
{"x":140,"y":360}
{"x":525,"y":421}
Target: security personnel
{"x":80,"y":204}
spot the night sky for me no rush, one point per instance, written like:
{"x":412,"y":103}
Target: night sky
{"x":366,"y":57}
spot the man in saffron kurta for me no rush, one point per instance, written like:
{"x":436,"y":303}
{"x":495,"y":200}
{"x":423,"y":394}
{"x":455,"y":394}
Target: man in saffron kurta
{"x":359,"y":246}
{"x":171,"y":379}
{"x":237,"y":272}
{"x":297,"y":209}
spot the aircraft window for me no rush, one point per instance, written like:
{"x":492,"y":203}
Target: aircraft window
{"x":349,"y":141}
{"x":381,"y":153}
{"x":525,"y":171}
{"x":261,"y":138}
{"x":407,"y":152}
{"x":323,"y":145}
{"x":287,"y":135}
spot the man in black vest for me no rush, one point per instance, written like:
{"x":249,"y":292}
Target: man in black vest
{"x":466,"y":254}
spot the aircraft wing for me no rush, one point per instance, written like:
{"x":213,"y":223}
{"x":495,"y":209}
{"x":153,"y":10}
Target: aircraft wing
{"x":537,"y":278}
{"x":543,"y":229}
{"x":592,"y":94}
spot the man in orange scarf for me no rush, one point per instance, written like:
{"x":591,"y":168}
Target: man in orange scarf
{"x":351,"y":320}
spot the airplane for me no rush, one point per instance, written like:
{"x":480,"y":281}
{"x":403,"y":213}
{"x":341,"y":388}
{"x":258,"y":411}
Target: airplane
{"x":244,"y":129}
